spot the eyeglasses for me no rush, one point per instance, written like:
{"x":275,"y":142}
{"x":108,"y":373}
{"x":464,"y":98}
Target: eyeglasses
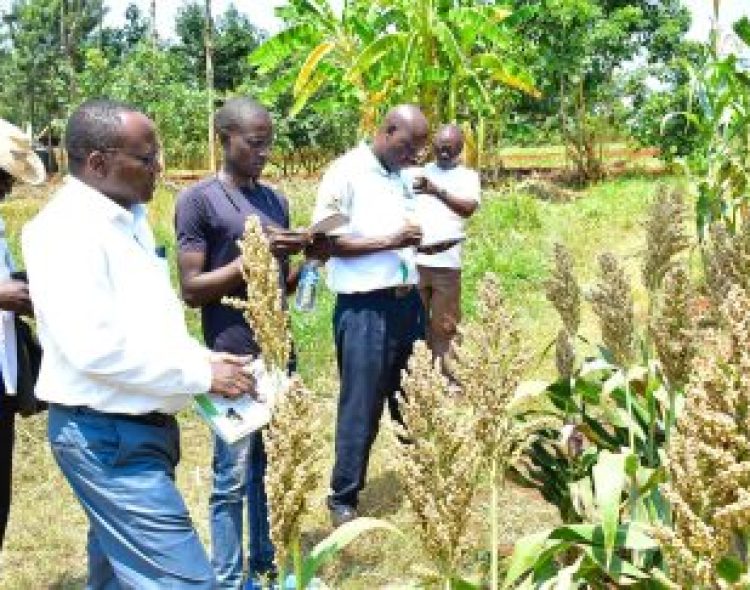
{"x":149,"y":160}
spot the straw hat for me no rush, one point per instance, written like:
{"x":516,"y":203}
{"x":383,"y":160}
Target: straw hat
{"x":16,"y":156}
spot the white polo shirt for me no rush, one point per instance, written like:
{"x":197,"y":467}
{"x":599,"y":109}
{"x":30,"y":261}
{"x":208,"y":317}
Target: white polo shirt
{"x":437,"y":219}
{"x":111,"y":326}
{"x":378,"y":204}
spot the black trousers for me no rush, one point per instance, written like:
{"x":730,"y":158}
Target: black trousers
{"x":374,"y":333}
{"x":7,"y":424}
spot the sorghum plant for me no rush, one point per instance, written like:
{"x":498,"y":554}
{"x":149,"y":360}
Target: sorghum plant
{"x":488,"y":362}
{"x":440,"y":464}
{"x":666,"y":235}
{"x":263,"y":309}
{"x":293,"y":458}
{"x":612,"y":302}
{"x":709,"y":462}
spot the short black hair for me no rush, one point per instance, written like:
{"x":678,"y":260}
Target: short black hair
{"x":94,"y":125}
{"x":234,"y":111}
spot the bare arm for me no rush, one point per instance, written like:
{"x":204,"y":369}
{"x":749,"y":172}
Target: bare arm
{"x":201,"y":287}
{"x":459,"y":205}
{"x":350,"y":246}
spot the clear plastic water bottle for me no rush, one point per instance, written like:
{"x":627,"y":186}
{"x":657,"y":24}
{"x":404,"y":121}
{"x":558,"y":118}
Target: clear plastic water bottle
{"x":307,"y":286}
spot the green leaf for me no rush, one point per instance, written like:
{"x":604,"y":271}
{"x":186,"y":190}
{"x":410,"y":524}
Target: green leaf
{"x":374,"y":52}
{"x":461,"y":584}
{"x":311,"y":62}
{"x":526,"y":551}
{"x":742,"y":29}
{"x":313,"y":85}
{"x":730,"y":569}
{"x":609,"y":480}
{"x":337,"y":540}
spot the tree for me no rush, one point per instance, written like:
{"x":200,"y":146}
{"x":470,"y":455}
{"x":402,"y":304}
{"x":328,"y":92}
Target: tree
{"x":575,"y":49}
{"x":234,"y":38}
{"x":45,"y":40}
{"x":377,"y":54}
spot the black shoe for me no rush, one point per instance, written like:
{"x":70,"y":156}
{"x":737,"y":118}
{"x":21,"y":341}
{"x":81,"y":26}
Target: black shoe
{"x":341,"y":515}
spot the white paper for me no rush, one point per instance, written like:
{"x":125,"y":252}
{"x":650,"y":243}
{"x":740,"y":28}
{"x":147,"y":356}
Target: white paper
{"x":234,"y":419}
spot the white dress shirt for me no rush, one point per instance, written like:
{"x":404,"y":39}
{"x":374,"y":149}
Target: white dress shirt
{"x":111,"y":326}
{"x":378,"y":204}
{"x":8,"y":350}
{"x":438,"y":220}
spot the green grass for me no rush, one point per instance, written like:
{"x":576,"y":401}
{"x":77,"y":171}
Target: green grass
{"x":512,"y":235}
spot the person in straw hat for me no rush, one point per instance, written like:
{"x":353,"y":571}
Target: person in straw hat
{"x":17,"y":162}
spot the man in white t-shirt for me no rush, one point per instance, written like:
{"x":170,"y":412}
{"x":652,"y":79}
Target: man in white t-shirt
{"x":448,"y":195}
{"x":372,"y":270}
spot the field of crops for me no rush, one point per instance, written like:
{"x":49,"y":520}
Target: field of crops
{"x":512,"y":235}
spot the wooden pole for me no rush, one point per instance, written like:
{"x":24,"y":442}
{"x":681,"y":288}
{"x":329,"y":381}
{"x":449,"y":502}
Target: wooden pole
{"x":210,"y":87}
{"x":153,"y":22}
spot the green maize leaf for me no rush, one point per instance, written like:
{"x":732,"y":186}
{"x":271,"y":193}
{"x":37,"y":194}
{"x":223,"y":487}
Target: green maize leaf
{"x":621,"y":571}
{"x":461,"y":584}
{"x":609,"y":480}
{"x":337,"y":540}
{"x":582,"y":497}
{"x":526,"y":554}
{"x":730,"y":569}
{"x":590,"y":392}
{"x":308,"y":68}
{"x":599,"y":434}
{"x":595,"y":365}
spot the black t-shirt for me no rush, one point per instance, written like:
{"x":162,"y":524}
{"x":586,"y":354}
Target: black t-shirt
{"x":210,"y":218}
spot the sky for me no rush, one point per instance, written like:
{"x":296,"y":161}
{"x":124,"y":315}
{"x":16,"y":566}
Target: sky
{"x":262,"y":15}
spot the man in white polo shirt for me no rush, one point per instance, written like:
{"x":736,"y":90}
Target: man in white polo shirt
{"x":118,"y":360}
{"x":449,"y":195}
{"x":378,"y":314}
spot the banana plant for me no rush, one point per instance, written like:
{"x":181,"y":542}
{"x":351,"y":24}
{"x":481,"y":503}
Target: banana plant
{"x":441,"y":55}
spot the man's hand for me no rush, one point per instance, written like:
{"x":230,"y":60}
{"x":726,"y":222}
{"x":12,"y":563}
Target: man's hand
{"x":14,"y":296}
{"x":320,"y":248}
{"x":410,"y":235}
{"x":422,"y":184}
{"x":230,"y":375}
{"x":286,"y":242}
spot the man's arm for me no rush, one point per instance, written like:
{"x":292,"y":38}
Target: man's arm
{"x":201,"y":288}
{"x":350,"y":246}
{"x":14,"y":296}
{"x":460,"y":205}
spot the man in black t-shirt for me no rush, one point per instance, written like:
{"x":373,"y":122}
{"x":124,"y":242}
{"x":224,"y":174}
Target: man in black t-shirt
{"x":210,"y":218}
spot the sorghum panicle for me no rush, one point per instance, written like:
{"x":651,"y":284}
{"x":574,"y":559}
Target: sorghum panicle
{"x":612,"y":302}
{"x":263,"y":309}
{"x":563,"y":291}
{"x":294,"y":456}
{"x":666,"y":235}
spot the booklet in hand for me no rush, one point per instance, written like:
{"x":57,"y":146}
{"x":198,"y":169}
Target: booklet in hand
{"x":234,"y":419}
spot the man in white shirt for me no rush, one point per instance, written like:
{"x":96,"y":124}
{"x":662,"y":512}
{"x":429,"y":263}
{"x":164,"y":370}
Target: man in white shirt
{"x":118,"y":360}
{"x":378,"y":314}
{"x":449,"y":194}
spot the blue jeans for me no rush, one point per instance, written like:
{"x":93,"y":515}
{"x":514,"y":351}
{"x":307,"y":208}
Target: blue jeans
{"x":238,"y":473}
{"x":140,"y":535}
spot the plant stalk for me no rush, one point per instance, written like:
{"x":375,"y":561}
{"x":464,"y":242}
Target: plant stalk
{"x":494,"y":565}
{"x":297,"y":561}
